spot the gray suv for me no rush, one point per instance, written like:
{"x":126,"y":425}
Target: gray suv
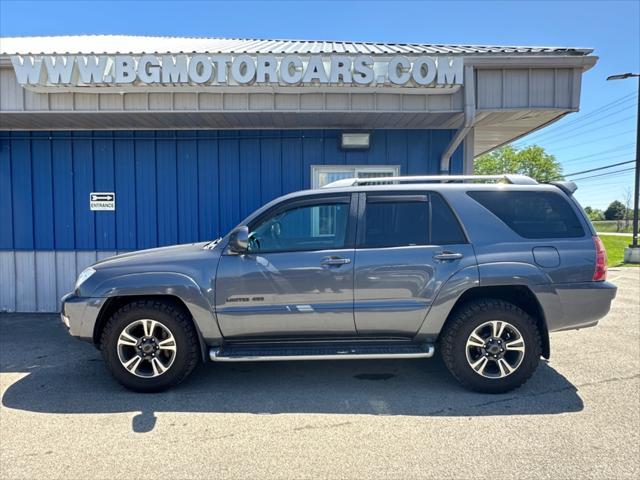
{"x":479,"y":268}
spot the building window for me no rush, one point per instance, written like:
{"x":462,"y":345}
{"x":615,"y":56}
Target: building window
{"x":322,"y":175}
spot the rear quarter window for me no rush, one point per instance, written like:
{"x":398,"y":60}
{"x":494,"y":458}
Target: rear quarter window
{"x":532,"y":214}
{"x":445,"y":229}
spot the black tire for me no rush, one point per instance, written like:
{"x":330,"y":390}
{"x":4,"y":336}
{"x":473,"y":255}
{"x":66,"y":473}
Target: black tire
{"x":187,"y":351}
{"x":470,"y":316}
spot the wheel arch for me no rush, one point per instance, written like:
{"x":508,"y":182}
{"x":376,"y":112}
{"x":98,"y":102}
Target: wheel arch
{"x":520,"y":295}
{"x":113,"y":304}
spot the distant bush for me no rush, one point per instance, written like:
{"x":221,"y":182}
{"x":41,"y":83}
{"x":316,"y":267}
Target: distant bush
{"x":619,"y":226}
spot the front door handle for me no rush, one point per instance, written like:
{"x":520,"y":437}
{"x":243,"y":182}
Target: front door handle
{"x":446,"y":255}
{"x":334,"y":261}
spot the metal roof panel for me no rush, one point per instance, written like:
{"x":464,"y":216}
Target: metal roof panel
{"x":111,"y":44}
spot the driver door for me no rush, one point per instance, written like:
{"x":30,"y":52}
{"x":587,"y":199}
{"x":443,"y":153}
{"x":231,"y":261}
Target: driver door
{"x":296,"y":280}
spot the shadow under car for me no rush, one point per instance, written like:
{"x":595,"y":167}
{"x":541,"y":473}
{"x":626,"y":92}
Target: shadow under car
{"x":67,"y":376}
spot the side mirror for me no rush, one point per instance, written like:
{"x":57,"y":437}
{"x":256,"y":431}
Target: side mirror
{"x":239,"y":239}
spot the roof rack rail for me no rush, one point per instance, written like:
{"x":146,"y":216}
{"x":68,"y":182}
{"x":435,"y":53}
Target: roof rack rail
{"x":514,"y":179}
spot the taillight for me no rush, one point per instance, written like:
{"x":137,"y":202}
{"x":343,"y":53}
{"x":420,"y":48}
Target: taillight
{"x":600,"y":274}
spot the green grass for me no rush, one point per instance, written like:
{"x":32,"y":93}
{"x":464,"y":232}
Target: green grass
{"x":615,"y":246}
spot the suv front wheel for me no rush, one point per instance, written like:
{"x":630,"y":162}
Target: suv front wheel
{"x":491,"y":346}
{"x":149,"y":346}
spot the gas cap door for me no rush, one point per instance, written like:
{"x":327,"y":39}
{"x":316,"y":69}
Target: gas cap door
{"x":547,"y":257}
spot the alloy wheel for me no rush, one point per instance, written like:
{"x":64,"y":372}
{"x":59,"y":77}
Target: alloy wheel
{"x":495,"y":349}
{"x":146,"y":348}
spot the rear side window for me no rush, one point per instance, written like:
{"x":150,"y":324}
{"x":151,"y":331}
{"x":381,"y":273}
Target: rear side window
{"x":395,"y":223}
{"x":445,"y":229}
{"x":532,"y":214}
{"x":408,"y":220}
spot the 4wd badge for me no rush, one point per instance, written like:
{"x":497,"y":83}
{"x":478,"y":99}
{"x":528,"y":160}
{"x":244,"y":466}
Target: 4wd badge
{"x":102,"y":201}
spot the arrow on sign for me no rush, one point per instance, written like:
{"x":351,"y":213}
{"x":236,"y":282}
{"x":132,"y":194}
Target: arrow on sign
{"x":105,"y":197}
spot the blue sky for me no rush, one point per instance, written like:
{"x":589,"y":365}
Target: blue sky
{"x":580,"y":141}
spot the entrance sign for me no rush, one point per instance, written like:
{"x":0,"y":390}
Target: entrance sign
{"x":102,"y":201}
{"x":138,"y":71}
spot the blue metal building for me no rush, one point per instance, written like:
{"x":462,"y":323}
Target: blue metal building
{"x":187,"y":158}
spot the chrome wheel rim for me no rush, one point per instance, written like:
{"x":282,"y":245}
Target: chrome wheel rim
{"x":495,"y":349}
{"x":146,"y":348}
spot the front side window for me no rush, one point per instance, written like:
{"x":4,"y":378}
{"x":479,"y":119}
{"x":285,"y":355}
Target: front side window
{"x":319,"y":226}
{"x":395,"y":223}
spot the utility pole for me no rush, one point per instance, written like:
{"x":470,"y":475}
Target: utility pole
{"x":632,"y":254}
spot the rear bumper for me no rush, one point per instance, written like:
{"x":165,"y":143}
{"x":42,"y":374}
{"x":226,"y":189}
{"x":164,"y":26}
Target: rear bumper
{"x":79,"y":315}
{"x":579,"y":305}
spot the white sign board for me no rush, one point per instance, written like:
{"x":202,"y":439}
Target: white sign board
{"x":206,"y":70}
{"x":102,"y":201}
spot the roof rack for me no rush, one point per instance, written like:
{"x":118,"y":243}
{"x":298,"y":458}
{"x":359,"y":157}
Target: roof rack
{"x":514,"y":179}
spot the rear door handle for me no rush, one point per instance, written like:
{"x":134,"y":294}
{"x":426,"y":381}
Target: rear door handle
{"x":334,"y":261}
{"x":446,"y":255}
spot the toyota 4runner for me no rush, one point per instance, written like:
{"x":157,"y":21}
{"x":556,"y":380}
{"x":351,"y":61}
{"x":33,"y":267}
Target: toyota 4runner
{"x":480,"y":269}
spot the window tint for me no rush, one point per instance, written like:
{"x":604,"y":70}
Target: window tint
{"x":445,"y":228}
{"x":309,"y":227}
{"x":395,"y":223}
{"x":532,"y":214}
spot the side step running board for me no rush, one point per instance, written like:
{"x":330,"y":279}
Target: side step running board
{"x":338,"y":352}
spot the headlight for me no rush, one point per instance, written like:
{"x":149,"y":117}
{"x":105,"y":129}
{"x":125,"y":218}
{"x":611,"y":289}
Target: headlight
{"x":84,"y":276}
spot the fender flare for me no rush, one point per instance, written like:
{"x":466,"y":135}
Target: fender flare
{"x":169,"y":284}
{"x":491,"y":275}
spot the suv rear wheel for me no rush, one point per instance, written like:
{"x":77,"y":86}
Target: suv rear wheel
{"x":491,"y":346}
{"x":149,"y":346}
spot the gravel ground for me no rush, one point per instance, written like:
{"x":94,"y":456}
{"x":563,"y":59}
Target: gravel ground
{"x":579,"y":416}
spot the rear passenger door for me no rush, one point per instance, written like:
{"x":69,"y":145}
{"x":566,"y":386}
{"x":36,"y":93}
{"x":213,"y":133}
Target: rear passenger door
{"x":408,"y":245}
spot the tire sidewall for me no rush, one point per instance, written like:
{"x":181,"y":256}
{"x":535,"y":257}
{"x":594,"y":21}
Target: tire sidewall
{"x":110,"y":350}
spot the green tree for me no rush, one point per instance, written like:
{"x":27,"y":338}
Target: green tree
{"x":532,"y":161}
{"x":594,"y":214}
{"x":615,"y":211}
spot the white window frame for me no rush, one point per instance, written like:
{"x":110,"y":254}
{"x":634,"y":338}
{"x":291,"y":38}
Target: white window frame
{"x":354,"y":170}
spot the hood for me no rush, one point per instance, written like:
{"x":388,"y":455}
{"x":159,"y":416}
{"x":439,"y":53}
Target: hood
{"x":158,"y":259}
{"x":197,"y":261}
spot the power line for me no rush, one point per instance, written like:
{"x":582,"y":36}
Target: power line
{"x":604,"y":174}
{"x":608,"y":190}
{"x":563,"y":135}
{"x":604,"y":159}
{"x":603,"y":108}
{"x":619,"y":147}
{"x":608,"y":183}
{"x":564,"y":147}
{"x":596,"y":120}
{"x":590,"y":115}
{"x":599,"y":168}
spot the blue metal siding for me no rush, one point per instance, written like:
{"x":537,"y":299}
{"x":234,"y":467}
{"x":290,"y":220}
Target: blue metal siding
{"x":6,"y":200}
{"x":103,"y":181}
{"x":125,"y":181}
{"x":63,"y":206}
{"x":172,"y":187}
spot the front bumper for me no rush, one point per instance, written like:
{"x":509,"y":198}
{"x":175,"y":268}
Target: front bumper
{"x":79,"y":315}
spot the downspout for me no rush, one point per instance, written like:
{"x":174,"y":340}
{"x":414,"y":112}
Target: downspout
{"x":469,"y":119}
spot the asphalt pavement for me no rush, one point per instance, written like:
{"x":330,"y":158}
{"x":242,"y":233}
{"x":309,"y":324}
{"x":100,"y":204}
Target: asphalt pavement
{"x":62,"y":416}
